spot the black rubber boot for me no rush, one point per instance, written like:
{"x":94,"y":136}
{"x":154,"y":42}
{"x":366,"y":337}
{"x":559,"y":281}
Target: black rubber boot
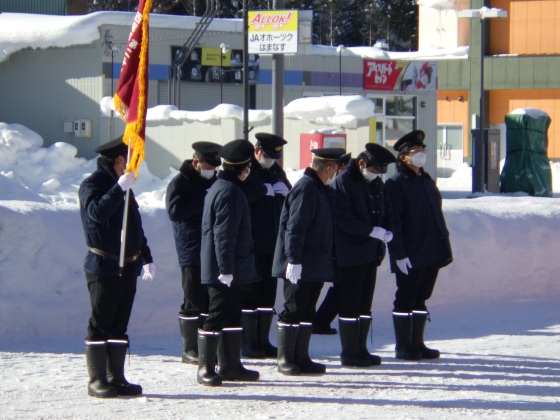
{"x":302,"y":358}
{"x":365,"y":324}
{"x":96,"y":361}
{"x":229,"y":362}
{"x":264,"y":321}
{"x":207,"y":347}
{"x":418,"y":323}
{"x":403,"y":337}
{"x":116,"y":352}
{"x":188,"y":325}
{"x":287,"y":338}
{"x":250,"y":348}
{"x":350,"y":342}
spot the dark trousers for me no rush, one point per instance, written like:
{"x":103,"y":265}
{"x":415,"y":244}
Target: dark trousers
{"x":300,"y":301}
{"x":224,"y":309}
{"x":414,"y":289}
{"x":357,"y":285}
{"x":329,"y":308}
{"x":262,"y":293}
{"x":111,"y":300}
{"x":195,"y":294}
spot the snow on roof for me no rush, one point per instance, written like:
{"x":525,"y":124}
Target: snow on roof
{"x":332,"y":110}
{"x":20,"y":30}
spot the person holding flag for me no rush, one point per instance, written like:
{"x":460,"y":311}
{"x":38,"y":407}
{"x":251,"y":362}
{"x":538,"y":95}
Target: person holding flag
{"x":112,"y":225}
{"x":111,"y":294}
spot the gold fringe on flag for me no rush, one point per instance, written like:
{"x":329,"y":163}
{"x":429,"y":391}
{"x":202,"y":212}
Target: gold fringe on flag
{"x":134,"y":134}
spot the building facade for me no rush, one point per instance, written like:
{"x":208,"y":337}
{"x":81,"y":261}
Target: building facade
{"x":521,"y":58}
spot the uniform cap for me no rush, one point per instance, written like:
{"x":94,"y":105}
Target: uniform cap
{"x":208,"y":151}
{"x":344,"y":159}
{"x":271,"y":144}
{"x":237,"y":152}
{"x":379,"y":157}
{"x":414,"y":138}
{"x":113,"y":149}
{"x":328,"y":153}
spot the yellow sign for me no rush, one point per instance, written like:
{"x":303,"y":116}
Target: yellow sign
{"x":273,"y":20}
{"x":273,"y":32}
{"x":211,"y":57}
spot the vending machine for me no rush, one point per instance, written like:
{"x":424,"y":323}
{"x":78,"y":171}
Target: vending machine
{"x":310,"y":141}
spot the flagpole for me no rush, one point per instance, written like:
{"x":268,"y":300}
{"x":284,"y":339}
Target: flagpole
{"x":124,"y":223}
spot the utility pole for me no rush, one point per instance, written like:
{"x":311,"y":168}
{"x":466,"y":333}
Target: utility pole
{"x":278,"y":86}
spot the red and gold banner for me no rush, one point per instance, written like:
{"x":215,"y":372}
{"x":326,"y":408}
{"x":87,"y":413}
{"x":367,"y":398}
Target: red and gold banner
{"x":132,"y":90}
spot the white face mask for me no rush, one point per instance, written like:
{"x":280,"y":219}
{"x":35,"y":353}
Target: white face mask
{"x":419,"y":159}
{"x":266,"y":162}
{"x":369,"y":176}
{"x":330,"y":181}
{"x":207,"y":173}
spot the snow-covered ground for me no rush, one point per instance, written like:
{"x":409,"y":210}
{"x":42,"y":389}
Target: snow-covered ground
{"x":495,"y":314}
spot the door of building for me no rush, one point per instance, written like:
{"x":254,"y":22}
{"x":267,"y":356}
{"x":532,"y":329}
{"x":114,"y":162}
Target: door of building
{"x":450,"y":149}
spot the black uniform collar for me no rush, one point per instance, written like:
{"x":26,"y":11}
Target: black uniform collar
{"x":104,"y":166}
{"x":187,"y":169}
{"x":231,"y":177}
{"x":354,"y":170}
{"x":310,"y":172}
{"x":409,"y":173}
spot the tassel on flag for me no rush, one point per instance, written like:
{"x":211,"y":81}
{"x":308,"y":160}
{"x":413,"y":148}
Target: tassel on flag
{"x":132,"y":90}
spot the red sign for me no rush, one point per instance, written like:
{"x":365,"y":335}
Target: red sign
{"x":381,"y":74}
{"x":400,"y":75}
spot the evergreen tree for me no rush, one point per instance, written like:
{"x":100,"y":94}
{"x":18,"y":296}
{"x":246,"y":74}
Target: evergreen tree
{"x":335,"y":22}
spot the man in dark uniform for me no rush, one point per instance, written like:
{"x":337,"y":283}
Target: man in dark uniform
{"x":102,"y":199}
{"x":362,"y":228}
{"x":184,"y":203}
{"x":267,"y":185}
{"x":328,"y":310}
{"x":420,"y":246}
{"x":227,"y":267}
{"x":304,"y":258}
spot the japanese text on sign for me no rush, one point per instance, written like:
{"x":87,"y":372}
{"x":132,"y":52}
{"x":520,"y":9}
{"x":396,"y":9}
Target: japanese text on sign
{"x":273,"y":32}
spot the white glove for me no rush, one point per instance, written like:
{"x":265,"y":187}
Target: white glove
{"x":126,"y":181}
{"x":269,"y":189}
{"x":378,"y":233}
{"x":281,"y":188}
{"x":388,"y":237}
{"x":404,"y":265}
{"x":226,"y":279}
{"x":293,"y":272}
{"x":149,"y":270}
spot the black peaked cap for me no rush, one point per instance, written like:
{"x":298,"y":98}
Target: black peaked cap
{"x":379,"y":157}
{"x":237,"y":152}
{"x":414,"y":138}
{"x":271,"y":144}
{"x":208,"y":151}
{"x":328,"y":153}
{"x":113,"y":149}
{"x":344,"y":159}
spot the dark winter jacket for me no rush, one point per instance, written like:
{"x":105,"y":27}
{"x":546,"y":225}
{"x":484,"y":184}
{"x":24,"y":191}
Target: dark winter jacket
{"x":359,"y":206}
{"x":306,"y":231}
{"x":265,"y":209}
{"x":420,"y":231}
{"x":102,"y":209}
{"x":184,"y":204}
{"x":227,"y":239}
